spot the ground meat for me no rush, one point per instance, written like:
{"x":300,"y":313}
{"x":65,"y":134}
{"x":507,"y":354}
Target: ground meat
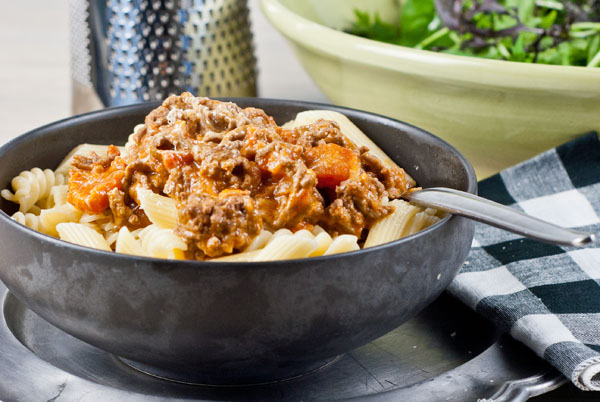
{"x":87,"y":162}
{"x":298,"y":201}
{"x":202,"y":115}
{"x":125,"y":215}
{"x":226,"y":168}
{"x":319,"y":132}
{"x":233,"y":172}
{"x":394,"y":179}
{"x":218,"y":226}
{"x":359,"y":204}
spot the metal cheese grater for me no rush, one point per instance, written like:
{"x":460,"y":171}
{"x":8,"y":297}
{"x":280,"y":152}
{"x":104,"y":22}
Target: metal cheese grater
{"x":128,"y":51}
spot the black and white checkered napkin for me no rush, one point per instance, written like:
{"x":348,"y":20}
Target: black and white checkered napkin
{"x":545,"y":296}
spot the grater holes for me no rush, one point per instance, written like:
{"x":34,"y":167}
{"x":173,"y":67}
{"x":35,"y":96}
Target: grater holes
{"x":164,"y":17}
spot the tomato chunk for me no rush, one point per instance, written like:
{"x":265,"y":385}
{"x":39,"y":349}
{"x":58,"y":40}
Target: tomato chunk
{"x":332,"y":164}
{"x":175,"y":159}
{"x":88,"y":189}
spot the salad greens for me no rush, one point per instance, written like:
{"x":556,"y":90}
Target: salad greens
{"x":563,"y":32}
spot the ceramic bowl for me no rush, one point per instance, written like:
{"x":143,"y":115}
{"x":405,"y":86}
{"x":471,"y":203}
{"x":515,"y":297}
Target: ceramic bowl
{"x":231,"y":323}
{"x":496,"y":113}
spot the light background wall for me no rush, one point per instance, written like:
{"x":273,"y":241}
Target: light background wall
{"x":35,"y":86}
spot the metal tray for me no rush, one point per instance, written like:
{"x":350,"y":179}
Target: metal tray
{"x":446,"y":353}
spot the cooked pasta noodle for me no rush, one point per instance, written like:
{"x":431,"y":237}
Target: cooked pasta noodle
{"x":161,"y":243}
{"x":259,"y":241}
{"x":83,"y":235}
{"x":287,"y":247}
{"x":126,"y":243}
{"x":394,"y":226}
{"x":28,"y":219}
{"x":31,"y":186}
{"x":161,"y":210}
{"x":324,"y":241}
{"x":342,"y":244}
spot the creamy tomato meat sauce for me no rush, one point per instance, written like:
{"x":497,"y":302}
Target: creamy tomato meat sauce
{"x":233,"y":172}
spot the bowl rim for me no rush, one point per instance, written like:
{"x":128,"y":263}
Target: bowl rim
{"x":485,"y":72}
{"x":107,"y":113}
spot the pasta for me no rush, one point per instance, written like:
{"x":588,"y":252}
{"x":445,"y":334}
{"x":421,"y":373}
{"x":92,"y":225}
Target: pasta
{"x":161,"y":243}
{"x":32,"y":186}
{"x":161,"y":210}
{"x":83,"y":235}
{"x":128,"y":244}
{"x":151,"y":222}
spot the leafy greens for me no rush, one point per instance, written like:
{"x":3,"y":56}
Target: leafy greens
{"x":565,"y":32}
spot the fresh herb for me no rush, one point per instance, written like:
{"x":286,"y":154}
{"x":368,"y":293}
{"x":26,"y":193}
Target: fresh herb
{"x":563,"y":32}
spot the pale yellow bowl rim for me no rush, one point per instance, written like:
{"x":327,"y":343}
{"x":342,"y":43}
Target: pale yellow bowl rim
{"x":485,"y":72}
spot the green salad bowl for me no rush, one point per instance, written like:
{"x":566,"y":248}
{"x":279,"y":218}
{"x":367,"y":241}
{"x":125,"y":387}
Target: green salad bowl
{"x":497,"y":113}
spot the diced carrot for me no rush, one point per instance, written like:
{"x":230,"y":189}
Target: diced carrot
{"x":175,"y":159}
{"x":88,"y":190}
{"x":332,"y":164}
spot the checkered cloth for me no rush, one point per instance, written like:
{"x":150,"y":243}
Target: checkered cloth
{"x":546,"y":296}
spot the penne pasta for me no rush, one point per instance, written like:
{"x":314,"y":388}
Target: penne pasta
{"x":324,"y":241}
{"x":421,"y":221}
{"x":128,"y":244}
{"x":259,"y":241}
{"x":50,"y":218}
{"x":286,"y":247}
{"x":83,"y":235}
{"x":342,"y":244}
{"x":394,"y":226}
{"x":161,"y":210}
{"x":161,"y":243}
{"x":246,"y":256}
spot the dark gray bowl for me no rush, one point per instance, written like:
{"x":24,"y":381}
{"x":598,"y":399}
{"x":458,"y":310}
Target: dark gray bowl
{"x":232,"y":323}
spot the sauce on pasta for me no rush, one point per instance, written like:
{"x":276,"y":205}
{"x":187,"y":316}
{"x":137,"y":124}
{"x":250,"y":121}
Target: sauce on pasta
{"x":234,"y":172}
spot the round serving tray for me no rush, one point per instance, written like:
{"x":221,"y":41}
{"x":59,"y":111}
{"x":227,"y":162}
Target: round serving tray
{"x":446,"y":353}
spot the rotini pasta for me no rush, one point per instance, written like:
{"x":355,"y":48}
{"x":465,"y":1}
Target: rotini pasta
{"x":31,"y":186}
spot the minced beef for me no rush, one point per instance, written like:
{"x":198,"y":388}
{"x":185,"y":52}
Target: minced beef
{"x":234,"y":171}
